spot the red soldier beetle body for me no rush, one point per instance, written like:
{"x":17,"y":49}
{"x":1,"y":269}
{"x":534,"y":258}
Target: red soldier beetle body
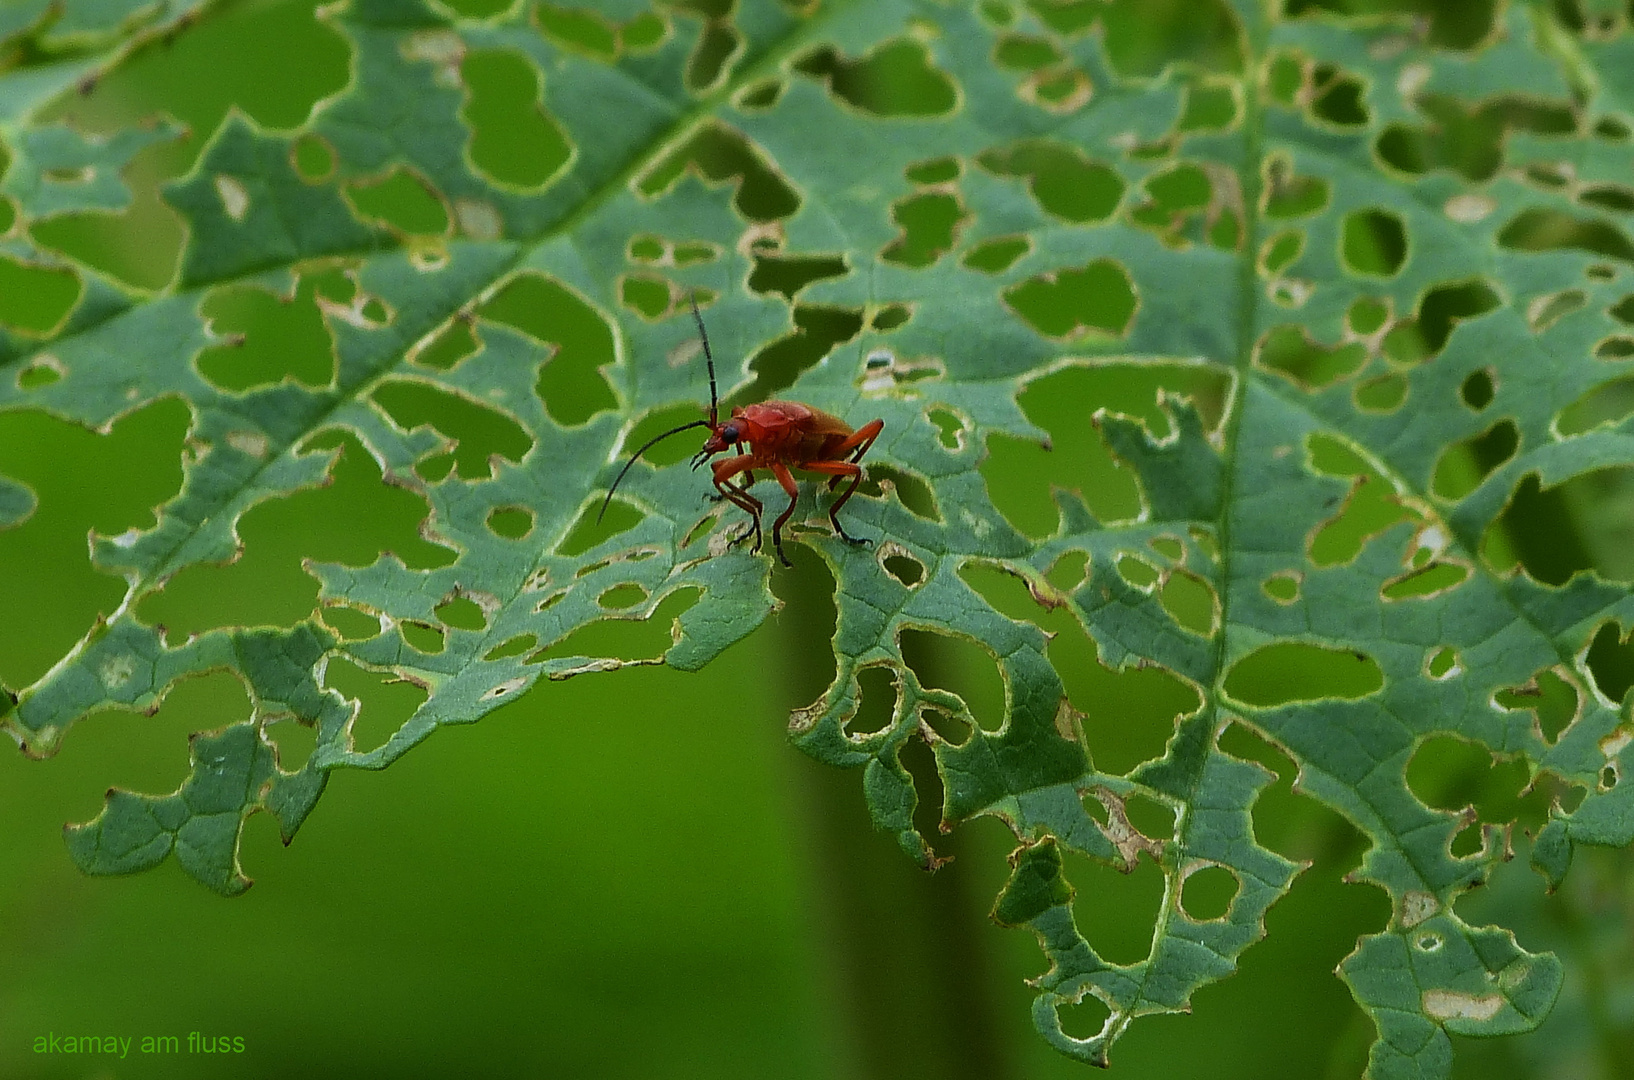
{"x":776,"y":436}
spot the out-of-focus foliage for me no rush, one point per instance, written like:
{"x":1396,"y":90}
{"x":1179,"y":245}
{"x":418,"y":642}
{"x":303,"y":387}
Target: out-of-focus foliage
{"x":1378,"y":263}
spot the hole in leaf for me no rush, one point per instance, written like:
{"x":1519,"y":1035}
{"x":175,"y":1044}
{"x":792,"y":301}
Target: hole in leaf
{"x":1436,"y":577}
{"x":1551,"y":230}
{"x":480,"y":431}
{"x":1443,"y":663}
{"x":402,"y":200}
{"x":588,"y":533}
{"x":462,"y":613}
{"x":1375,"y":242}
{"x":647,"y":295}
{"x":353,"y":521}
{"x":510,"y":522}
{"x":1611,"y":662}
{"x":1528,"y":530}
{"x":914,"y":493}
{"x":1288,"y":195}
{"x":1607,"y":197}
{"x":1340,"y":102}
{"x":313,"y":158}
{"x":1622,"y":310}
{"x":1295,"y":671}
{"x":1614,"y":348}
{"x":1384,"y":394}
{"x":1282,"y":586}
{"x":269,"y":338}
{"x":1025,"y":52}
{"x":890,"y":317}
{"x":1063,"y":181}
{"x":625,"y":637}
{"x":387,"y":702}
{"x":960,"y":666}
{"x":1463,"y":466}
{"x":513,"y":140}
{"x":929,"y":223}
{"x":1367,"y":315}
{"x":579,"y":30}
{"x":1069,"y":303}
{"x":34,"y":298}
{"x":950,"y":729}
{"x":43,"y":371}
{"x":622,"y":596}
{"x":904,"y":568}
{"x":789,"y":274}
{"x":1280,"y":251}
{"x":761,"y":96}
{"x":1191,"y":602}
{"x":1549,"y":698}
{"x":444,"y":351}
{"x":895,"y":78}
{"x":1208,"y":893}
{"x":935,"y":171}
{"x":1137,"y":572}
{"x":350,"y":623}
{"x":711,"y":59}
{"x":1287,"y":351}
{"x":1084,"y":1018}
{"x":818,"y":330}
{"x":877,"y":688}
{"x":720,"y":153}
{"x":1478,"y":389}
{"x":997,"y":256}
{"x":422,"y":637}
{"x":1448,"y":773}
{"x":1609,"y":776}
{"x":516,"y":646}
{"x":1070,"y":571}
{"x":570,"y":384}
{"x":1608,"y":403}
{"x":1116,"y":911}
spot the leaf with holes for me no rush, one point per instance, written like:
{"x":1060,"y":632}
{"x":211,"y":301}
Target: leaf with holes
{"x":1379,"y":269}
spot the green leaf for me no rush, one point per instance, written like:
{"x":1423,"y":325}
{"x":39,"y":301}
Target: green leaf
{"x":1375,"y":285}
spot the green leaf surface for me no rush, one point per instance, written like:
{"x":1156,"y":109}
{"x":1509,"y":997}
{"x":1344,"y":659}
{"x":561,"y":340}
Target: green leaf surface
{"x":976,"y":208}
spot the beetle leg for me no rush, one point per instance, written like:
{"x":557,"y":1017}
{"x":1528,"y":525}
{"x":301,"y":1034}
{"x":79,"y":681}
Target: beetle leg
{"x":784,"y":477}
{"x":724,"y":470}
{"x":840,"y":470}
{"x":857,"y":444}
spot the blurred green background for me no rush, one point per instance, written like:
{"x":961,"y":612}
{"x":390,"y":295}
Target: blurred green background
{"x":632,"y":874}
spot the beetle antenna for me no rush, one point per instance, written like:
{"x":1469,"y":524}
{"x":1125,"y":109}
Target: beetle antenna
{"x":709,"y":358}
{"x":648,"y":445}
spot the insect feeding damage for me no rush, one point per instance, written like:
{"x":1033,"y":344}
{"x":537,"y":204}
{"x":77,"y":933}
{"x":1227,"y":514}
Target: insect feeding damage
{"x":779,"y":435}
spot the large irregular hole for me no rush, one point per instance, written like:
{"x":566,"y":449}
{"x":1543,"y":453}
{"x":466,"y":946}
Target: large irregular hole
{"x":580,"y":30}
{"x":1191,"y":602}
{"x":711,"y":61}
{"x":1288,"y":351}
{"x":1611,"y":662}
{"x":1071,"y":302}
{"x":1609,"y":403}
{"x":1369,"y":509}
{"x":1550,"y":699}
{"x":1552,"y":230}
{"x":350,"y":623}
{"x":513,"y":140}
{"x":878,"y":704}
{"x":914,"y":493}
{"x":626,"y":638}
{"x":997,"y":256}
{"x":1296,"y":671}
{"x":1208,"y":893}
{"x":35,"y":299}
{"x":1022,"y":476}
{"x":895,"y":78}
{"x":594,"y":527}
{"x":1127,"y":715}
{"x":929,"y":223}
{"x":788,"y":274}
{"x":1463,"y":465}
{"x":1464,"y":139}
{"x":720,"y":153}
{"x":481,"y":431}
{"x":1065,"y":182}
{"x":351,"y":521}
{"x":957,"y":664}
{"x":1116,"y":912}
{"x":386,"y":701}
{"x":270,"y":338}
{"x":403,"y":200}
{"x":1528,"y":532}
{"x":444,"y":350}
{"x":817,"y":332}
{"x":1448,"y":773}
{"x":570,"y":384}
{"x":1375,"y":242}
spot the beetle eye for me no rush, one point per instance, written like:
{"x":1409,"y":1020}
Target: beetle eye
{"x":729,"y":434}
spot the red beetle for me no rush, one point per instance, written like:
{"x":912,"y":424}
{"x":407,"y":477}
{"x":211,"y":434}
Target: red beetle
{"x":780,"y":435}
